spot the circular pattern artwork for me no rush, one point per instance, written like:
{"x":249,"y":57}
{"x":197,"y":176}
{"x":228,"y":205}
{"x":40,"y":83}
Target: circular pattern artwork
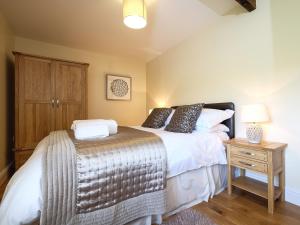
{"x":119,"y":87}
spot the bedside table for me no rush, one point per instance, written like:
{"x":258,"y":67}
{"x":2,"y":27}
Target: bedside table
{"x":267,"y":158}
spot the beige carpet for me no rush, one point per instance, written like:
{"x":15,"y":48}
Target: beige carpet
{"x":189,"y":217}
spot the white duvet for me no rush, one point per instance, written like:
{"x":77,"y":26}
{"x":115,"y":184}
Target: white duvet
{"x":191,"y":151}
{"x":22,"y":200}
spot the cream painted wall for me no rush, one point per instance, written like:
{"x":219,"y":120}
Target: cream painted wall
{"x":247,"y":58}
{"x":6,"y":58}
{"x":125,"y":112}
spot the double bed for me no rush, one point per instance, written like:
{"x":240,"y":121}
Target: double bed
{"x":196,"y":171}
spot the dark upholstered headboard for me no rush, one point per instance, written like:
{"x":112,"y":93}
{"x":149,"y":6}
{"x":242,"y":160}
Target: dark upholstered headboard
{"x":230,"y":123}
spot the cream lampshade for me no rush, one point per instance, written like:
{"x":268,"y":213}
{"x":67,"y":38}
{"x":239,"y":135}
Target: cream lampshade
{"x":134,"y":13}
{"x":253,"y":115}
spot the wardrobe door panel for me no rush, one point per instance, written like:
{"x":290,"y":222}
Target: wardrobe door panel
{"x":66,"y":114}
{"x":69,"y":79}
{"x":70,"y":89}
{"x":36,"y":123}
{"x":35,"y":95}
{"x":37,"y":80}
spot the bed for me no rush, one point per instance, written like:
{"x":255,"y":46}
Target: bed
{"x":193,"y":175}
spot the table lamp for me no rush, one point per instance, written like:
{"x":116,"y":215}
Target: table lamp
{"x":253,"y":115}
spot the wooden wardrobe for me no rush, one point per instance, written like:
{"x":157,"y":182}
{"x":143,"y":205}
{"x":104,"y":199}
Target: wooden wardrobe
{"x":49,"y":94}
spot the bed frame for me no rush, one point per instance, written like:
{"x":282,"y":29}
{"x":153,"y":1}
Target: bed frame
{"x":230,"y":123}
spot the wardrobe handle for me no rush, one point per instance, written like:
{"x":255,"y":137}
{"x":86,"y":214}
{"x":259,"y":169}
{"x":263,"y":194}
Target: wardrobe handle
{"x":52,"y":103}
{"x":57,"y":103}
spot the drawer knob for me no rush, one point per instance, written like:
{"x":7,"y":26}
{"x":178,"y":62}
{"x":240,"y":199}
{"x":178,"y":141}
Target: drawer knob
{"x":248,"y":153}
{"x":247,"y":164}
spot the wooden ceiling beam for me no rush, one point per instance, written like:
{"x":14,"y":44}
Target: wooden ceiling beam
{"x":249,"y":5}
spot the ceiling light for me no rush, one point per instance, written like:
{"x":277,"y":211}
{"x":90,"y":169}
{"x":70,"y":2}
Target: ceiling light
{"x":134,"y":13}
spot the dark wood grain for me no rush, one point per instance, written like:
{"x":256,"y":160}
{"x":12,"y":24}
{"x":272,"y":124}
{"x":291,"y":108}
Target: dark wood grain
{"x":2,"y":189}
{"x":249,"y":5}
{"x":21,"y":157}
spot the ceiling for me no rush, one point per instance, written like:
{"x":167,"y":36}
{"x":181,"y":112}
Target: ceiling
{"x":96,"y":25}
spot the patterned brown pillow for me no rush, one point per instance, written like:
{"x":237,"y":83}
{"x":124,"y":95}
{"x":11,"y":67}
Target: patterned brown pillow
{"x":185,"y":118}
{"x":157,"y":118}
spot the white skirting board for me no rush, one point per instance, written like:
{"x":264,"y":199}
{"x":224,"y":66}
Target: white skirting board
{"x":291,"y":195}
{"x":4,"y":173}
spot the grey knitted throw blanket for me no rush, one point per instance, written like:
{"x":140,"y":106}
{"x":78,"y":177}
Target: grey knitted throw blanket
{"x":109,"y":181}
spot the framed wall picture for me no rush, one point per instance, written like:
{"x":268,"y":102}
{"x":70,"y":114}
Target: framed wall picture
{"x":118,"y":87}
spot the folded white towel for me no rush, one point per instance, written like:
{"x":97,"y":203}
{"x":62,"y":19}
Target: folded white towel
{"x":90,"y":131}
{"x":111,"y":124}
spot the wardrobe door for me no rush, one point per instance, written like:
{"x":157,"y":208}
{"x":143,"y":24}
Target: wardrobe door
{"x":70,"y":91}
{"x":34,"y":100}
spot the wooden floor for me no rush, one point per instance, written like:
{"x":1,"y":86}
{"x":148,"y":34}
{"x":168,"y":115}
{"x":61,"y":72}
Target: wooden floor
{"x":242,"y":209}
{"x":246,"y":209}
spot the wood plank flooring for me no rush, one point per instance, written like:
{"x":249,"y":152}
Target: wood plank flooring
{"x":242,"y":209}
{"x":246,"y":209}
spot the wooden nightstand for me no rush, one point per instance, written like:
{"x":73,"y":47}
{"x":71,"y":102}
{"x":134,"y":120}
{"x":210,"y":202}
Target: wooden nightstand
{"x":267,"y":158}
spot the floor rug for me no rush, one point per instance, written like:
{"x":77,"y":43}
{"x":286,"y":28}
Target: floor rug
{"x":189,"y":217}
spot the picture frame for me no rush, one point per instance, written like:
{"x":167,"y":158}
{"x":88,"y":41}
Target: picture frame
{"x":118,"y":87}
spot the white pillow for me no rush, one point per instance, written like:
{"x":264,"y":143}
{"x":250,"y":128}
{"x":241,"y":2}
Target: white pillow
{"x":169,"y":117}
{"x":212,"y":117}
{"x":218,"y":128}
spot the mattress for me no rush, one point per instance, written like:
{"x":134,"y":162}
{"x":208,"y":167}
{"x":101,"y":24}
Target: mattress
{"x":22,"y":201}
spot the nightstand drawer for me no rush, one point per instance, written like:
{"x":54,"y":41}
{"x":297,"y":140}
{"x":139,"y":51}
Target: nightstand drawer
{"x":249,"y":164}
{"x":249,"y":153}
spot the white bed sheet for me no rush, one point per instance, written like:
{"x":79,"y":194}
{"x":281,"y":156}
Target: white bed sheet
{"x":191,"y":151}
{"x":22,"y":200}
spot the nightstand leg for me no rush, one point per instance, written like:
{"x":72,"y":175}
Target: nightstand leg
{"x":242,"y":172}
{"x":270,"y":192}
{"x":229,"y":171}
{"x":229,"y":177}
{"x":282,"y":179}
{"x":281,"y":186}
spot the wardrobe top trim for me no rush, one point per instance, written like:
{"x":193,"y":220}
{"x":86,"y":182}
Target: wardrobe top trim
{"x":49,"y":58}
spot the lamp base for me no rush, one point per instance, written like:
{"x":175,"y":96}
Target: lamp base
{"x":254,"y":133}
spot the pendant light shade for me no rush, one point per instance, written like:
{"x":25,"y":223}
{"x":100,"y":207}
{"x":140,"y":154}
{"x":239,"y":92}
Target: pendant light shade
{"x":134,"y":13}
